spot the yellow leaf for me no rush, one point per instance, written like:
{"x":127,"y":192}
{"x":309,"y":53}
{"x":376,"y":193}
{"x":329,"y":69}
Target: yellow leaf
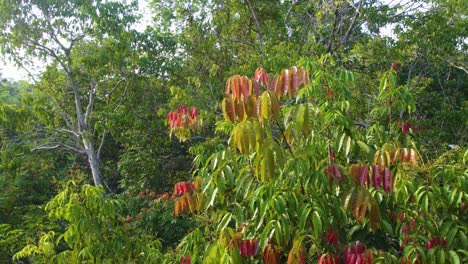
{"x":360,"y":204}
{"x":265,"y":105}
{"x":250,"y":132}
{"x":275,"y":106}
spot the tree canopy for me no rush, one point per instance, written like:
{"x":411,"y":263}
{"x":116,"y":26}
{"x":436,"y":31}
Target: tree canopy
{"x":234,"y":132}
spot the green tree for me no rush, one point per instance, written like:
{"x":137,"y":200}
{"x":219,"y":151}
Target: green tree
{"x":94,"y":231}
{"x":298,"y":181}
{"x":57,"y":32}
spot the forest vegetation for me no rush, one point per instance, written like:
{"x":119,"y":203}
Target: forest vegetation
{"x":329,"y":131}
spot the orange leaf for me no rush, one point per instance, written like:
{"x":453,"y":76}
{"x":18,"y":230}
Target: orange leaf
{"x":355,"y":172}
{"x":240,"y":110}
{"x":177,"y":209}
{"x":235,"y":86}
{"x":228,"y":109}
{"x":274,"y":87}
{"x":227,"y":88}
{"x":293,"y":79}
{"x":360,"y":204}
{"x":244,"y":83}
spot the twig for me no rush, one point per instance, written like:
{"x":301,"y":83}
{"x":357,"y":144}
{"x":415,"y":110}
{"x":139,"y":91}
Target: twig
{"x":257,"y":26}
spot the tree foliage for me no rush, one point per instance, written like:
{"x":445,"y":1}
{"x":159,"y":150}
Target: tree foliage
{"x":356,"y":155}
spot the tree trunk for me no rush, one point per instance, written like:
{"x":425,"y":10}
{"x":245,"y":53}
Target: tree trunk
{"x":93,"y":161}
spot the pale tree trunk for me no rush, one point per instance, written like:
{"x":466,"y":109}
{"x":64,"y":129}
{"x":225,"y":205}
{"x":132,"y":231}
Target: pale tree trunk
{"x":93,"y":161}
{"x":84,"y":124}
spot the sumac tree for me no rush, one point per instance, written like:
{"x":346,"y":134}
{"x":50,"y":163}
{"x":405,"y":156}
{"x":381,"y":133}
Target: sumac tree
{"x":301,"y":182}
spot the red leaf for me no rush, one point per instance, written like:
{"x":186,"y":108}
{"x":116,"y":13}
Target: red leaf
{"x":377,"y":177}
{"x":245,"y":87}
{"x":183,"y":110}
{"x":333,"y":172}
{"x":275,"y":87}
{"x":185,"y":260}
{"x":261,"y":76}
{"x":185,"y":188}
{"x":387,"y":181}
{"x":255,"y":85}
{"x":406,"y":128}
{"x":364,"y":175}
{"x":194,"y":113}
{"x":245,"y":248}
{"x":252,"y":247}
{"x":227,"y":89}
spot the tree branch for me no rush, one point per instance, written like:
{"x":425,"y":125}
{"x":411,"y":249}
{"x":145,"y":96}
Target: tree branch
{"x":66,"y":131}
{"x":353,"y":23}
{"x":56,"y":40}
{"x":49,"y":146}
{"x":73,"y":41}
{"x":121,"y":99}
{"x":115,"y":87}
{"x":51,"y":53}
{"x":100,"y":145}
{"x":294,"y":3}
{"x":257,"y":26}
{"x":89,"y":107}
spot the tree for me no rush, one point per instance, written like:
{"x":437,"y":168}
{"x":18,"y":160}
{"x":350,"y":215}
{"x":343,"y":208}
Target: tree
{"x":57,"y":32}
{"x":297,"y":181}
{"x":94,"y":231}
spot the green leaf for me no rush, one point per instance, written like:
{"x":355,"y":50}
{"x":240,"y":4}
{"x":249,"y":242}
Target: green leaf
{"x":363,"y":146}
{"x":303,"y":215}
{"x":348,"y":146}
{"x":212,"y":198}
{"x":340,"y":144}
{"x":451,"y":235}
{"x":454,"y":259}
{"x":317,"y":222}
{"x":441,"y":257}
{"x":224,"y":222}
{"x":387,"y":227}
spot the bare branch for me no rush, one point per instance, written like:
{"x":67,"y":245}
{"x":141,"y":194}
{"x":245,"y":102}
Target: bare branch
{"x":29,"y":73}
{"x":294,"y":3}
{"x":100,"y":145}
{"x":73,"y":41}
{"x":115,"y":87}
{"x":330,"y":48}
{"x":56,"y":40}
{"x":353,"y":23}
{"x":121,"y":99}
{"x":66,"y":131}
{"x":51,"y":53}
{"x":49,"y":146}
{"x":461,"y":67}
{"x":89,"y":107}
{"x":257,"y":26}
